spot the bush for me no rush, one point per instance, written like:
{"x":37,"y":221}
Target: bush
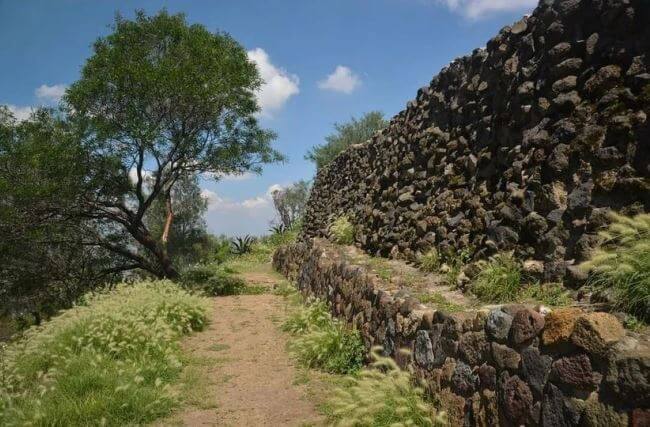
{"x":498,"y":280}
{"x":109,"y":361}
{"x":382,"y":395}
{"x":323,"y":342}
{"x":342,"y":231}
{"x":242,"y":245}
{"x":430,"y":261}
{"x":212,"y":280}
{"x":621,"y":265}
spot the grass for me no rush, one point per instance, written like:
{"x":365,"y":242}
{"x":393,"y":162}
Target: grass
{"x":440,"y":302}
{"x":499,"y":280}
{"x":381,"y":268}
{"x":342,"y":231}
{"x":430,"y":261}
{"x":109,"y":361}
{"x":620,"y":266}
{"x":453,"y":265}
{"x":552,"y":294}
{"x":382,"y":395}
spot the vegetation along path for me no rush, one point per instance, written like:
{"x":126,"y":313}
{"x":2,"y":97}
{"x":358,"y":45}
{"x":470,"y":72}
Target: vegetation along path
{"x":251,"y":377}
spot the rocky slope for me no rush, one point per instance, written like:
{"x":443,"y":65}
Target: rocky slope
{"x":523,"y":145}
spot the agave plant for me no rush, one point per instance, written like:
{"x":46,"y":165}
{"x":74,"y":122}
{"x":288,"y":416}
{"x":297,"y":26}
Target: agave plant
{"x":278,"y":229}
{"x":242,"y":245}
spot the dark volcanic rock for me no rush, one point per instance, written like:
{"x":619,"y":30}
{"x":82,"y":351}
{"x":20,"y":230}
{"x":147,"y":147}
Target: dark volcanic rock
{"x":515,"y":399}
{"x":526,"y":324}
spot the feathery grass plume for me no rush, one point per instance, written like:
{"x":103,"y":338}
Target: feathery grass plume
{"x":382,"y":395}
{"x":342,"y":231}
{"x":453,"y":265}
{"x":430,"y":261}
{"x":111,"y":358}
{"x":499,"y":279}
{"x":621,"y":264}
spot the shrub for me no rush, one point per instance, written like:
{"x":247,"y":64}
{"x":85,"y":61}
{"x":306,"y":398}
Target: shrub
{"x":498,"y":280}
{"x":621,"y":265}
{"x":108,"y":362}
{"x":342,"y":231}
{"x":242,"y":245}
{"x":430,"y":261}
{"x":212,"y":280}
{"x":323,"y":342}
{"x":382,"y":395}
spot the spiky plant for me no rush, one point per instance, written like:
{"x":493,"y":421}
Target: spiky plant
{"x":278,"y":229}
{"x":242,"y":245}
{"x":430,"y":261}
{"x":342,"y":231}
{"x":621,"y":264}
{"x":499,"y":279}
{"x":382,"y":395}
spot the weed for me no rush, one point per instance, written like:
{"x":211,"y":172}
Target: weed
{"x":242,"y":245}
{"x":621,"y":265}
{"x":430,"y":261}
{"x":552,"y":294}
{"x":212,"y":280}
{"x":498,"y":280}
{"x":218,"y":347}
{"x":382,"y":395}
{"x":454,"y":264}
{"x":342,"y":231}
{"x":634,"y":324}
{"x":440,"y":302}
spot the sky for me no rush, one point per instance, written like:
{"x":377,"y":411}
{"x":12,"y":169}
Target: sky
{"x":322,"y":62}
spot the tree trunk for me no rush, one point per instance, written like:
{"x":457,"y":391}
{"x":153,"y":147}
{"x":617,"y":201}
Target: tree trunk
{"x":168,"y":221}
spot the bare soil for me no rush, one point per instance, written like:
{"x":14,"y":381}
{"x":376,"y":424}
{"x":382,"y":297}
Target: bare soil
{"x":252,"y":379}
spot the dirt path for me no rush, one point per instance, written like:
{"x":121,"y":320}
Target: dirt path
{"x":252,"y":377}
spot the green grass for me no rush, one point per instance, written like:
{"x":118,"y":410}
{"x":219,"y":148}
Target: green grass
{"x":499,"y":280}
{"x":439,"y":301}
{"x":381,"y":395}
{"x":213,"y":280}
{"x":322,"y":342}
{"x":552,"y":294}
{"x":342,"y":231}
{"x":109,"y":361}
{"x":430,"y":261}
{"x":620,"y":267}
{"x":218,"y":347}
{"x":453,"y":265}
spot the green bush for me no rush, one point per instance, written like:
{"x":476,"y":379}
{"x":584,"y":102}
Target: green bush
{"x":342,"y":231}
{"x":499,"y":280}
{"x":382,"y":395}
{"x":212,"y":280}
{"x":430,"y":261}
{"x":621,"y":265}
{"x":107,"y":362}
{"x":323,"y":342}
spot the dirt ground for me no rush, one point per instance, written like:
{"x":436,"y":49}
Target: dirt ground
{"x":252,"y":379}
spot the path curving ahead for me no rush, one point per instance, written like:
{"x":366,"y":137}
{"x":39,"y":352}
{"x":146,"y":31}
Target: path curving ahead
{"x":253,"y":381}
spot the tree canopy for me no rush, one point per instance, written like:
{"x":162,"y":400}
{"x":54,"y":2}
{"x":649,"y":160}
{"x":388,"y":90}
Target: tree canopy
{"x":290,"y":202}
{"x":356,"y":131}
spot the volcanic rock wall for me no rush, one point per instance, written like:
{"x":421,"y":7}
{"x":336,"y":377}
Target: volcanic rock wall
{"x":522,"y":145}
{"x":504,"y":366}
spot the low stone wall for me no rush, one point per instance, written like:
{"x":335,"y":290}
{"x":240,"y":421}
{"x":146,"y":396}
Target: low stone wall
{"x":508,"y":365}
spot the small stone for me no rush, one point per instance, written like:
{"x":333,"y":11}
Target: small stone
{"x":574,"y":371}
{"x":505,"y":357}
{"x":597,"y":332}
{"x":516,"y":400}
{"x":497,"y":325}
{"x":559,"y":325}
{"x":526,"y":325}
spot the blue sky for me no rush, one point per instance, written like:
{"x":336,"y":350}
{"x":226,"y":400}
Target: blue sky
{"x":323,"y":62}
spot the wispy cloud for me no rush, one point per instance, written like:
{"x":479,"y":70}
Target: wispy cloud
{"x":278,"y":85}
{"x":342,"y":79}
{"x":20,"y":113}
{"x":51,"y":94}
{"x":477,"y":9}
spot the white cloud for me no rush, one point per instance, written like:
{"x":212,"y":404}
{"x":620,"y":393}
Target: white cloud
{"x":133,"y":175}
{"x":341,"y":80}
{"x":272,"y":189}
{"x":477,"y":9}
{"x":278,"y":85}
{"x":20,"y":113}
{"x":230,"y":177}
{"x":50,"y":93}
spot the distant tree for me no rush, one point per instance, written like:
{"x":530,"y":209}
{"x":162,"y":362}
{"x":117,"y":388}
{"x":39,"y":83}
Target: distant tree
{"x":346,"y":134}
{"x":162,"y":100}
{"x":290,"y":202}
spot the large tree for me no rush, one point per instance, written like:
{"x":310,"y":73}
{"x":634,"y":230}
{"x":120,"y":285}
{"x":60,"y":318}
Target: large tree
{"x":290,"y":202}
{"x":162,"y":100}
{"x":356,"y":131}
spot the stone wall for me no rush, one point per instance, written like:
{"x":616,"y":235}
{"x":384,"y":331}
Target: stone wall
{"x":510,"y":365}
{"x":522,"y":145}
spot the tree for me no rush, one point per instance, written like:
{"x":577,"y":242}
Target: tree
{"x":290,"y":202}
{"x":346,"y":134}
{"x":162,"y":100}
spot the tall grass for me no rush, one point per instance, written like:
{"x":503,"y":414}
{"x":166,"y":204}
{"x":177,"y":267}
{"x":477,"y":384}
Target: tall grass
{"x":430,"y":261}
{"x":342,"y":231}
{"x":499,"y":279}
{"x":109,"y":361}
{"x":382,"y":395}
{"x":621,"y":265}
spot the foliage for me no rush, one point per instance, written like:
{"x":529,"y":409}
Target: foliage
{"x":159,"y":92}
{"x":324,"y":342}
{"x":553,"y":294}
{"x":439,"y":301}
{"x":356,"y":131}
{"x":212,"y":280}
{"x":430,"y":261}
{"x":342,"y":231}
{"x":382,"y":395}
{"x":242,"y":245}
{"x":499,"y":279}
{"x":277,"y":229}
{"x":621,"y":265}
{"x":290,"y":202}
{"x":453,"y":265}
{"x":107,"y":362}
